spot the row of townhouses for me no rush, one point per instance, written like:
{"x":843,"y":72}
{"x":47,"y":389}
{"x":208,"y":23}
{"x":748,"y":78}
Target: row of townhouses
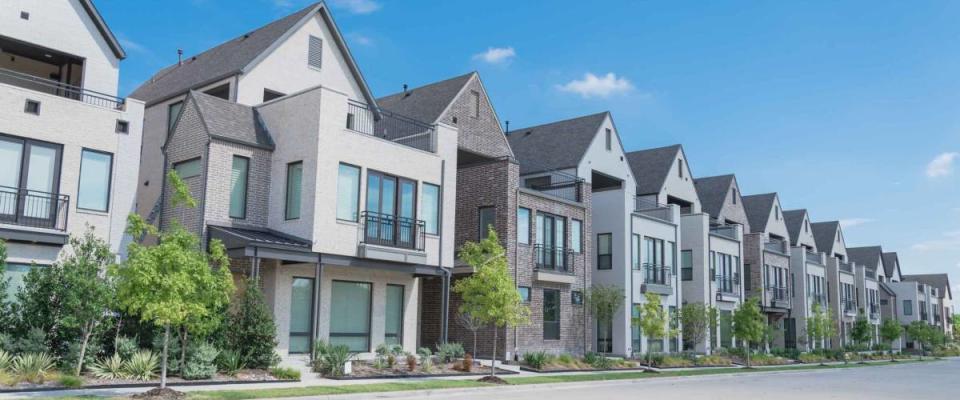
{"x":350,"y":207}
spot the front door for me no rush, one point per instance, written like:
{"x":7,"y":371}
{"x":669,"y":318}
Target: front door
{"x":301,"y":316}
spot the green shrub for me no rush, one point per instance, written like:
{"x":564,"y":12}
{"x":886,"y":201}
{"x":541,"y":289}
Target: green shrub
{"x":173,"y":351}
{"x":535,"y":359}
{"x":566,"y":359}
{"x":426,"y":359}
{"x":6,"y":359}
{"x":665,"y":361}
{"x":201,"y":361}
{"x":109,"y":368}
{"x":811,"y":358}
{"x":7,"y":342}
{"x":655,"y":359}
{"x":70,"y":381}
{"x":230,"y":362}
{"x":447,"y":352}
{"x":597,"y":361}
{"x":767,"y":359}
{"x":252,"y":331}
{"x":69,"y":360}
{"x":125,"y":347}
{"x":792,"y":354}
{"x":142,"y":366}
{"x":33,"y":367}
{"x":35,"y":341}
{"x":330,"y":360}
{"x":285,"y":373}
{"x":712,"y":361}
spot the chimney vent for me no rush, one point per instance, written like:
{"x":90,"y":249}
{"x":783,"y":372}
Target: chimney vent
{"x":179,"y":56}
{"x":405,"y":94}
{"x":508,"y":127}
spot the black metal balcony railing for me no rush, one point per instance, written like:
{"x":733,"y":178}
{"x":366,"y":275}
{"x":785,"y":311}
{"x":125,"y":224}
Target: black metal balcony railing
{"x":656,"y":274}
{"x":60,"y":89}
{"x":848,"y":305}
{"x":33,"y":209}
{"x":779,"y":293}
{"x":392,"y":231}
{"x":391,"y":126}
{"x":570,"y":189}
{"x":728,"y":284}
{"x":550,"y":258}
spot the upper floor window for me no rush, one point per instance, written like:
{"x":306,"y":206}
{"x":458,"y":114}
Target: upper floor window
{"x":487,"y":220}
{"x":609,"y":139}
{"x":604,"y":251}
{"x":733,"y":196}
{"x":173,"y":111}
{"x":348,"y":192}
{"x":239,"y":174}
{"x":576,"y":235}
{"x":188,"y":169}
{"x":523,"y":225}
{"x":806,"y":226}
{"x":294,"y":190}
{"x":776,"y":212}
{"x":551,"y":231}
{"x":907,"y":307}
{"x":315,"y":52}
{"x":29,"y":175}
{"x":94,"y":191}
{"x":430,"y":208}
{"x":680,"y":167}
{"x":686,"y":265}
{"x":270,"y":95}
{"x":474,"y":104}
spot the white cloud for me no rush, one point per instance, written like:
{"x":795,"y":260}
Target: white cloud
{"x":949,"y":241}
{"x":131,"y":45}
{"x":942,"y":165}
{"x":496,"y":55}
{"x":357,"y":6}
{"x":360,"y":39}
{"x":852,"y":222}
{"x":594,"y":86}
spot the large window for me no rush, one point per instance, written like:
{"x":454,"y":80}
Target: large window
{"x":488,"y":220}
{"x":635,"y":334}
{"x":430,"y":208}
{"x":301,"y":315}
{"x":524,"y":293}
{"x":523,"y":225}
{"x":188,"y":169}
{"x":294,"y":190}
{"x":173,"y":111}
{"x":348,"y":193}
{"x":686,"y":265}
{"x":393,"y":317}
{"x":576,"y":235}
{"x":94,"y":191}
{"x":604,"y":251}
{"x":239,"y":174}
{"x":907,"y":307}
{"x":29,"y":180}
{"x":551,"y":232}
{"x":15,"y":273}
{"x":551,"y":314}
{"x":350,"y":315}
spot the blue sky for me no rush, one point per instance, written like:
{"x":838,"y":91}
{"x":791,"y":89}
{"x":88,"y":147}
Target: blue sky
{"x":849,"y":110}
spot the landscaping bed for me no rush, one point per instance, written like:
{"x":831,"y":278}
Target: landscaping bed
{"x":545,"y":363}
{"x":763,"y":360}
{"x":54,"y":382}
{"x":663,"y":361}
{"x":367,"y":370}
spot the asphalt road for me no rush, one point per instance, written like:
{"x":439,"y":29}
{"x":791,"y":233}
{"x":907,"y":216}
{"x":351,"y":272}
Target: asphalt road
{"x":929,"y":380}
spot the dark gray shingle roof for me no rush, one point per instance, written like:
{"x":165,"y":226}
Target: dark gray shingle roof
{"x":712,"y":191}
{"x":867,"y":255}
{"x":651,"y":167}
{"x":825,"y":235}
{"x":230,"y":121}
{"x":426,"y":103}
{"x":890,"y":263}
{"x":219,"y":62}
{"x":263,"y":236}
{"x":939,"y":281}
{"x":757,"y":207}
{"x":555,"y":145}
{"x":794,"y":221}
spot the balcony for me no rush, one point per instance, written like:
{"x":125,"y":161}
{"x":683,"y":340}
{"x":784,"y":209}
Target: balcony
{"x":33,"y":209}
{"x":656,"y":278}
{"x":569,"y":189}
{"x":779,"y":297}
{"x":814,"y":257}
{"x":848,"y":306}
{"x":56,"y":88}
{"x":870,"y":274}
{"x":776,"y":246}
{"x":874,"y":312}
{"x":391,"y":126}
{"x":553,"y":264}
{"x":648,"y":206}
{"x":727,"y":231}
{"x":846,"y":267}
{"x":818,"y":298}
{"x":392,"y":231}
{"x":727,"y":286}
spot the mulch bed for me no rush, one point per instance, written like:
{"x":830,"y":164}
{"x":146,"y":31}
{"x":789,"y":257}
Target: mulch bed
{"x":90,"y":382}
{"x":366,"y":370}
{"x":549,"y":370}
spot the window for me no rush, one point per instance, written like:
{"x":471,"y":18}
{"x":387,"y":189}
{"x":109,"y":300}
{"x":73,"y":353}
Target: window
{"x":188,"y":169}
{"x":576,"y":235}
{"x":301,"y":315}
{"x":350,"y":315}
{"x":348,"y":192}
{"x":430,"y":208}
{"x":32,"y":107}
{"x":15,"y":273}
{"x":576,"y":297}
{"x":294,"y":190}
{"x":604,"y":251}
{"x":270,"y":95}
{"x":523,"y":225}
{"x":680,"y":167}
{"x":474,"y":104}
{"x":806,"y":226}
{"x":733,"y":196}
{"x":776,"y":212}
{"x":746,"y":280}
{"x":315,"y":52}
{"x":95,"y":171}
{"x":907,"y":307}
{"x":239,"y":173}
{"x":635,"y":328}
{"x":173,"y":111}
{"x":33,"y":167}
{"x":222,"y":91}
{"x":488,"y":216}
{"x":609,"y":139}
{"x":393,"y":331}
{"x":524,"y":293}
{"x":551,"y":314}
{"x":551,"y":232}
{"x":123,"y":126}
{"x":24,"y":15}
{"x":686,"y":265}
{"x":351,"y":121}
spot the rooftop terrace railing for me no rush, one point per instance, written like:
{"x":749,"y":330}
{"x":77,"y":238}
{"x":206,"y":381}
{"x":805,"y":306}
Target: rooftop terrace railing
{"x":392,"y":126}
{"x":727,"y":231}
{"x":55,"y":88}
{"x":649,"y":207}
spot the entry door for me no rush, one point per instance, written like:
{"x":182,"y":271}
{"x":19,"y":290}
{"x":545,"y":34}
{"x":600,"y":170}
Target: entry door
{"x":29,"y":180}
{"x":301,"y":316}
{"x":391,"y":209}
{"x":790,"y":336}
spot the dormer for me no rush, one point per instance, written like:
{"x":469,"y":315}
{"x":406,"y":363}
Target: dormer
{"x":799,"y":226}
{"x":720,"y":197}
{"x":664,"y":174}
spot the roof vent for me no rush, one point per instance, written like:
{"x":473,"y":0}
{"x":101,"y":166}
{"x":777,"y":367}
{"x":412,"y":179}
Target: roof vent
{"x":405,"y":93}
{"x":179,"y":56}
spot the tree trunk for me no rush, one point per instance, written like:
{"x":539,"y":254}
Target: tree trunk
{"x":474,"y":344}
{"x":183,"y":350}
{"x":493,"y":360}
{"x":87,"y":330}
{"x":163,"y":363}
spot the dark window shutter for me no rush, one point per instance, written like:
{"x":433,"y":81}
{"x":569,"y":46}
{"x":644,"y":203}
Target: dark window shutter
{"x":315,"y":56}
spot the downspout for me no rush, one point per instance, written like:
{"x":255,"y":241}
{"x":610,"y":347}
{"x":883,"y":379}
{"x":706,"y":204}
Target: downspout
{"x":516,"y":270}
{"x":630,"y":294}
{"x":586,"y":269}
{"x":445,"y":274}
{"x":203,"y":194}
{"x":318,"y":275}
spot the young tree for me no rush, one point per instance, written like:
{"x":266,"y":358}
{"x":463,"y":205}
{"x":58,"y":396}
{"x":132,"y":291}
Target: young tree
{"x":695,"y":322}
{"x":653,"y":319}
{"x":890,"y":331}
{"x":604,"y":303}
{"x":820,"y":326}
{"x":749,"y":324}
{"x":251,"y":330}
{"x":174,"y":282}
{"x":956,"y":327}
{"x":861,"y":332}
{"x":87,"y":293}
{"x":6,"y":305}
{"x":919,"y":331}
{"x":473,"y":325}
{"x":490,"y":294}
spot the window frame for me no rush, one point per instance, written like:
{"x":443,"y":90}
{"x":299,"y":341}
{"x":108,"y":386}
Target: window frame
{"x":357,"y":189}
{"x":482,"y":230}
{"x":246,"y":187}
{"x":403,"y":310}
{"x":286,"y":192}
{"x":426,"y":226}
{"x":26,"y":149}
{"x":272,"y":93}
{"x":558,"y":310}
{"x":369,"y":336}
{"x":576,"y":297}
{"x":609,"y":265}
{"x":109,"y":180}
{"x":523,"y":235}
{"x":525,"y":289}
{"x":313,"y":301}
{"x":198,"y":160}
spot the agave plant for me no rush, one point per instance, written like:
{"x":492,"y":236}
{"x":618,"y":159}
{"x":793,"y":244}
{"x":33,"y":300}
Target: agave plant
{"x":5,"y":360}
{"x":109,"y":368}
{"x":230,"y":362}
{"x":142,"y":365}
{"x":33,"y":367}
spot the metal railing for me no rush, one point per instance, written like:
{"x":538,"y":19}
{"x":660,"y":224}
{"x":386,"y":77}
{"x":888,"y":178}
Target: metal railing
{"x":552,"y":258}
{"x":848,"y":305}
{"x":818,"y":298}
{"x":391,"y":126}
{"x":728,"y":284}
{"x":846,"y":267}
{"x":655,"y":274}
{"x":55,"y":88}
{"x":392,"y":231}
{"x":779,"y":296}
{"x":814,"y":257}
{"x":727,"y":231}
{"x":570,"y":190}
{"x":777,"y":245}
{"x":870,"y":274}
{"x":648,"y":206}
{"x":874,"y":310}
{"x":33,"y":208}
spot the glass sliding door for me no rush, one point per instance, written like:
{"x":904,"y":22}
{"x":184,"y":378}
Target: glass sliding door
{"x":11,"y":158}
{"x":350,"y":315}
{"x":393,"y":316}
{"x":391,"y":211}
{"x":301,"y":315}
{"x":29,"y":182}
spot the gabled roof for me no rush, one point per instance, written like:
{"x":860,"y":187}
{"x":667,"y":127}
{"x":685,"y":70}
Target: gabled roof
{"x":426,"y":103}
{"x":887,"y":289}
{"x":103,"y":28}
{"x":891,"y":264}
{"x":712,"y":191}
{"x":939,"y":281}
{"x":555,"y":145}
{"x":794,"y":221}
{"x":825,"y":235}
{"x":757,"y":207}
{"x":229,"y":121}
{"x":236,"y":56}
{"x":651,"y":167}
{"x":867,"y":255}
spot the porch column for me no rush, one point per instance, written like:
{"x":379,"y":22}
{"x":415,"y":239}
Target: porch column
{"x":317,"y":275}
